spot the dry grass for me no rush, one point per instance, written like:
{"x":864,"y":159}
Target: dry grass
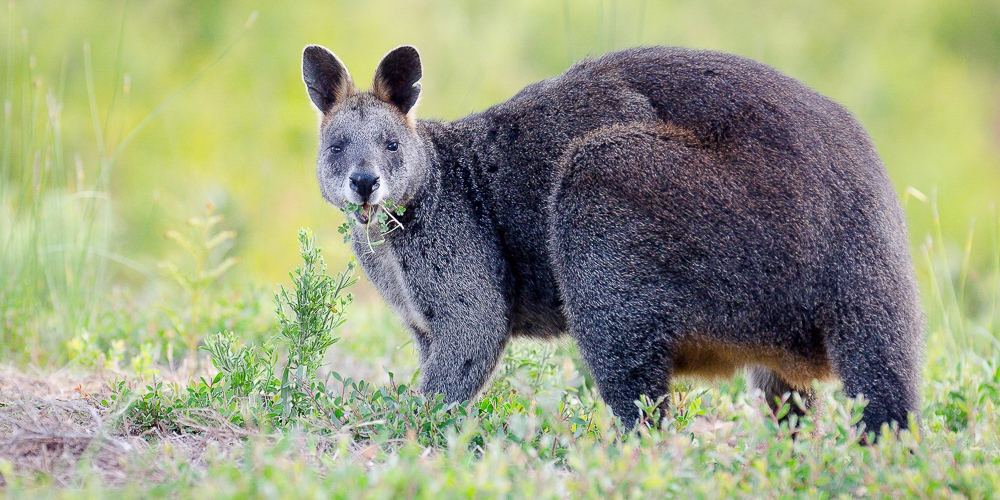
{"x":54,"y":426}
{"x":56,"y":429}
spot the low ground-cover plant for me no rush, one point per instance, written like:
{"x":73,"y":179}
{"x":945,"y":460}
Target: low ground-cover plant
{"x":276,"y":383}
{"x":731,"y":452}
{"x":250,"y":388}
{"x":274,"y":423}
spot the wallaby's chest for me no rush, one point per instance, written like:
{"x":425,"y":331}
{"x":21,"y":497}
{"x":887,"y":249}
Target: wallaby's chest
{"x":451,"y":262}
{"x":395,"y":281}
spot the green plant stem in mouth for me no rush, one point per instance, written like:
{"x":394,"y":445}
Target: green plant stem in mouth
{"x":380,"y":214}
{"x":365,"y":212}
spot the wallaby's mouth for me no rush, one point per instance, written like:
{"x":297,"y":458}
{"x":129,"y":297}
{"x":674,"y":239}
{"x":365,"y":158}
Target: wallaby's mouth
{"x":365,"y":213}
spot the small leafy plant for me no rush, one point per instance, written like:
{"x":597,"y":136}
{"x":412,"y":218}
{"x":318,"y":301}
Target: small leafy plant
{"x":383,"y":219}
{"x":248,"y":377}
{"x":317,"y":308}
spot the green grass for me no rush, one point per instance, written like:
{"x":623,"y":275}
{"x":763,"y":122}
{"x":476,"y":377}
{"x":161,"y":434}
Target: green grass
{"x":270,"y":422}
{"x":143,"y":359}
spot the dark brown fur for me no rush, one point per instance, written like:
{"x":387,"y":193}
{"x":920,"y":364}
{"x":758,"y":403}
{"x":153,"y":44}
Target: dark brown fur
{"x":674,"y":211}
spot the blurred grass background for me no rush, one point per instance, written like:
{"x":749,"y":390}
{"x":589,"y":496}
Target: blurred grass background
{"x":121,"y":118}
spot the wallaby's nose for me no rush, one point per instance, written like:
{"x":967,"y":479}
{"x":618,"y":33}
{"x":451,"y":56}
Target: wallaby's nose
{"x":363,"y":184}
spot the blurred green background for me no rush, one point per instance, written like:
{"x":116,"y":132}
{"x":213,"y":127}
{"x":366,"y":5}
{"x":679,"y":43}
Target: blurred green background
{"x":222,"y":114}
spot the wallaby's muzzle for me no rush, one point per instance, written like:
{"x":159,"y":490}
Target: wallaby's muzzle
{"x":364,"y":185}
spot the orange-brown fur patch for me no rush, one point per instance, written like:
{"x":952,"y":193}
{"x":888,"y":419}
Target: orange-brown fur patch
{"x":703,"y":357}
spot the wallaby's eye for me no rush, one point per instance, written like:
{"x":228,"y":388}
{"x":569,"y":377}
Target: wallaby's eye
{"x":336,"y":149}
{"x":392,"y":146}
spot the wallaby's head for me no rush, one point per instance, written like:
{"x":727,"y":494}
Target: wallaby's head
{"x":369,"y":150}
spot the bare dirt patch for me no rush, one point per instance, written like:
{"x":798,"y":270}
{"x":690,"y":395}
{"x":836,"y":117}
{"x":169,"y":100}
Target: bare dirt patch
{"x":57,"y":429}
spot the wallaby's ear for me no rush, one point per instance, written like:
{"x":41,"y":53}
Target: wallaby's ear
{"x":327,"y":79}
{"x":396,"y":78}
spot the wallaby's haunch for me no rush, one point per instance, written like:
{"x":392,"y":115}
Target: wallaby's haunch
{"x":674,"y":211}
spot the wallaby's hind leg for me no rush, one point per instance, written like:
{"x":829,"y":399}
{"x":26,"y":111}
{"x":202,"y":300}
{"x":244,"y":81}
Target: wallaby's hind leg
{"x":886,"y":373}
{"x":626,"y":357}
{"x":775,"y":388}
{"x":611,"y":315}
{"x":618,"y":300}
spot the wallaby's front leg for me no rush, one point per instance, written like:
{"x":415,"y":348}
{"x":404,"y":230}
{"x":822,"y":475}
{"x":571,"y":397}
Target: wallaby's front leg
{"x":463,"y":297}
{"x":457,"y":363}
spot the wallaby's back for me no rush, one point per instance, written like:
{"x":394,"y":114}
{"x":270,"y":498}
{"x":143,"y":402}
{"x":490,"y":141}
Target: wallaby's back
{"x":738,"y":109}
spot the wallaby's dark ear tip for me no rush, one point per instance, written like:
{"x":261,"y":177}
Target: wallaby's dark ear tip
{"x":408,"y":52}
{"x":326,"y":78}
{"x":311,"y":54}
{"x":313,"y":58}
{"x":397,"y":76}
{"x":408,"y":56}
{"x":312,"y":49}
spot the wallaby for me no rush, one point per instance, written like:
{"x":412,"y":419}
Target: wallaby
{"x":674,"y":211}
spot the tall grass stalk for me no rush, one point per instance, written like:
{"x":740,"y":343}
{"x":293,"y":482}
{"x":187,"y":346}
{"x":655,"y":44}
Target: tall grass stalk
{"x":56,"y":216}
{"x":961,"y":295}
{"x":55,"y":227}
{"x":994,"y":306}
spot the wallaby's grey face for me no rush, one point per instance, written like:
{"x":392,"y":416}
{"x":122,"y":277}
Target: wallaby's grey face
{"x":367,"y":155}
{"x":369,"y":151}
